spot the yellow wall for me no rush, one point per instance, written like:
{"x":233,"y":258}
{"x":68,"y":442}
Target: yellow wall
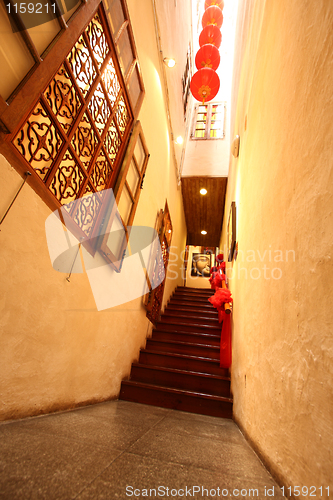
{"x":282,"y":182}
{"x":56,"y":349}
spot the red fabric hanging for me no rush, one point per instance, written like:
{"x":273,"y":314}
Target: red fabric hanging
{"x":220,"y":297}
{"x":219,"y":3}
{"x":205,"y":84}
{"x":225,"y":344}
{"x":212,"y":16}
{"x":208,"y":56}
{"x":210,"y":34}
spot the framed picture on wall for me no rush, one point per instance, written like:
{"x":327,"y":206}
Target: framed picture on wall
{"x":201,"y":264}
{"x":231,"y":234}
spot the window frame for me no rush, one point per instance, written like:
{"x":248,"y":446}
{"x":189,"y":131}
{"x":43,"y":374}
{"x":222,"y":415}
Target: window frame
{"x":108,"y":255}
{"x":15,"y":112}
{"x":208,"y":122}
{"x":186,"y":80}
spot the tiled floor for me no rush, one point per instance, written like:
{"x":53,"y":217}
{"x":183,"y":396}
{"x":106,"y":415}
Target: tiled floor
{"x":124,"y":450}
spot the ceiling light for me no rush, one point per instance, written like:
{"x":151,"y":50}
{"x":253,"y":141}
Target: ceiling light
{"x":203,"y":191}
{"x":179,"y":140}
{"x":169,"y":62}
{"x":203,"y":232}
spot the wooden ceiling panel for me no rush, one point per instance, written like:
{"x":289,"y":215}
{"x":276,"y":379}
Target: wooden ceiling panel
{"x":204,"y":212}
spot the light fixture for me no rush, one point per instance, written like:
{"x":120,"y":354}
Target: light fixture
{"x":179,"y":140}
{"x":203,"y":191}
{"x":169,"y":62}
{"x":203,"y":232}
{"x":235,"y":146}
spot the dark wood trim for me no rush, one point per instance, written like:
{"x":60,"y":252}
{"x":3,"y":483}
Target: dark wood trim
{"x":60,"y":17}
{"x":30,"y":92}
{"x":121,"y":31}
{"x":17,"y":18}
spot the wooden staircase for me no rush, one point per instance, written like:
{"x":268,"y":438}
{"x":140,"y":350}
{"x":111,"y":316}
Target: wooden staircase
{"x":179,"y":368}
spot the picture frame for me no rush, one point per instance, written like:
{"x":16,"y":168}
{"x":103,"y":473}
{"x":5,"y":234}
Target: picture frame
{"x":201,"y":264}
{"x":231,"y":231}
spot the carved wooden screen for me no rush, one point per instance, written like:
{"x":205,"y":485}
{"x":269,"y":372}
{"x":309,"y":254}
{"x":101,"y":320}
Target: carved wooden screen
{"x":76,"y":134}
{"x":153,"y":301}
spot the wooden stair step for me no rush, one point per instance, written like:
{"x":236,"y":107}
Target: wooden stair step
{"x":191,"y":296}
{"x":195,"y":291}
{"x":191,"y":310}
{"x":180,"y":325}
{"x":176,"y":399}
{"x":199,"y":338}
{"x":202,"y":350}
{"x":181,"y":379}
{"x":189,"y":319}
{"x":193,"y":305}
{"x":182,"y":362}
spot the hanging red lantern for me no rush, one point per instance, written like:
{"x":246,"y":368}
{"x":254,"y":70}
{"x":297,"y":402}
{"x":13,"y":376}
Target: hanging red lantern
{"x":213,"y":15}
{"x":207,"y":57}
{"x":205,"y":85}
{"x":210,"y":34}
{"x":219,"y":3}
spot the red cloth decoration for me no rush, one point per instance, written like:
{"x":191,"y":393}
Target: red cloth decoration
{"x":210,"y":34}
{"x":205,"y":84}
{"x":213,"y":270}
{"x":221,"y":267}
{"x":216,"y":280}
{"x":225,"y":344}
{"x":221,"y":296}
{"x":208,"y":56}
{"x":220,"y":257}
{"x":212,"y":16}
{"x":219,"y":3}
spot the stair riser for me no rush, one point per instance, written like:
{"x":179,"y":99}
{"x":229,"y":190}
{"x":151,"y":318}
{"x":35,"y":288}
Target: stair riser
{"x":193,"y":365}
{"x":190,"y":298}
{"x":191,"y":350}
{"x":212,"y":340}
{"x":189,"y":328}
{"x":186,"y":310}
{"x":208,"y":292}
{"x":166,"y":318}
{"x":181,"y":381}
{"x":155,"y":397}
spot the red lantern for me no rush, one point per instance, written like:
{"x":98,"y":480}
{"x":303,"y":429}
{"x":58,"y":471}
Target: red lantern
{"x":210,"y":34}
{"x":205,"y":85}
{"x":213,"y":15}
{"x":219,"y":3}
{"x":207,"y":57}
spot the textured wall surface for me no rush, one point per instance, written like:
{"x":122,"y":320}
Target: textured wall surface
{"x":282,"y":182}
{"x":56,"y":349}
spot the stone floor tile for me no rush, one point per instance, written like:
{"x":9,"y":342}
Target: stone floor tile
{"x":41,"y":466}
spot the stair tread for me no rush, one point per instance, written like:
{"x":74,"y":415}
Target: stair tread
{"x":196,"y":317}
{"x":180,"y":355}
{"x":199,"y":335}
{"x":180,"y":372}
{"x":210,"y":327}
{"x":181,"y":342}
{"x":177,"y":391}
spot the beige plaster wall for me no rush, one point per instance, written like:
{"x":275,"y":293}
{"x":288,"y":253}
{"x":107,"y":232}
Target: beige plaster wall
{"x":56,"y":350}
{"x":282,"y":182}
